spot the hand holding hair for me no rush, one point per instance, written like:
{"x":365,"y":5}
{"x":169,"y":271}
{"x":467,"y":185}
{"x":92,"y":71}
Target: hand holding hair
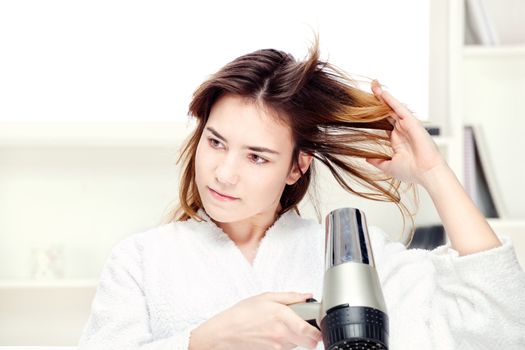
{"x":417,"y":159}
{"x":415,"y":153}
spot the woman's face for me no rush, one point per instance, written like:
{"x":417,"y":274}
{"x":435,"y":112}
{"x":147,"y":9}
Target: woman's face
{"x":231,"y":159}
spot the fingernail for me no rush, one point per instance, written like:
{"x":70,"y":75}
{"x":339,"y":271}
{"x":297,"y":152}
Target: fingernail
{"x":378,"y":87}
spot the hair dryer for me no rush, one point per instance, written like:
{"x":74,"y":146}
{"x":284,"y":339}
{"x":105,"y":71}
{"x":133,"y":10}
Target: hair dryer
{"x":352,"y":314}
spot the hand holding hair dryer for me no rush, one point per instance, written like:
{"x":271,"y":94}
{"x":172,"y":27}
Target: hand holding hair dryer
{"x":352,"y":314}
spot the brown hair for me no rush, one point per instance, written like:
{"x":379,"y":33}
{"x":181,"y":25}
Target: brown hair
{"x":330,"y":119}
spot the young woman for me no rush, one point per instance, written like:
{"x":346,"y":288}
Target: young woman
{"x":236,"y":252}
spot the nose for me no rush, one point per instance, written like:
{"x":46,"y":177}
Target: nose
{"x":226,"y":172}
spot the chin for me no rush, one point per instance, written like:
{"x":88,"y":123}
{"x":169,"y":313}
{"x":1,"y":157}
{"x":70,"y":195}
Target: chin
{"x":219,"y":214}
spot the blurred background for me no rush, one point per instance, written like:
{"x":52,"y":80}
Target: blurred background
{"x":93,"y":110}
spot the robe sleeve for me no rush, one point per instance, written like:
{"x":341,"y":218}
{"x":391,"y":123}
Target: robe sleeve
{"x":475,"y":301}
{"x":480,"y":297}
{"x":119,"y":317}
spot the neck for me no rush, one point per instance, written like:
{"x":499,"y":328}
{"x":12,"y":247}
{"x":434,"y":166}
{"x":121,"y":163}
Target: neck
{"x":250,"y":231}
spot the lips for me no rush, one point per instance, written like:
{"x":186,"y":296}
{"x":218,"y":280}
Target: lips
{"x":224,"y":195}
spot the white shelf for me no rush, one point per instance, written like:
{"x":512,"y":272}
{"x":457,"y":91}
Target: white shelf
{"x":442,"y":140}
{"x":508,"y":223}
{"x":95,"y":134}
{"x":38,"y":284}
{"x":515,"y":229}
{"x":494,"y":51}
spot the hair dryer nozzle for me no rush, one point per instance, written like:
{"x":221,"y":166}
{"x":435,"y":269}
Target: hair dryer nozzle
{"x":347,"y":238}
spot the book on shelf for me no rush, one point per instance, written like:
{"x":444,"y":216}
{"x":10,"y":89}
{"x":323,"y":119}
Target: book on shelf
{"x":494,"y":22}
{"x":480,"y":181}
{"x":479,"y":28}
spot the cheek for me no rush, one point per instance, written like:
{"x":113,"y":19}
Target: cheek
{"x":202,"y":161}
{"x":268,"y":180}
{"x":201,"y":155}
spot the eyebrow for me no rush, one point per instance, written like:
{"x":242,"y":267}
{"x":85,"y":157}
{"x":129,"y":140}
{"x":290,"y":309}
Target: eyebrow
{"x":251,"y":148}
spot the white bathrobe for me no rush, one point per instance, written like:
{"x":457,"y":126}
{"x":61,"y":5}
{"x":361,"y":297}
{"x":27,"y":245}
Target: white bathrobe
{"x":158,"y":285}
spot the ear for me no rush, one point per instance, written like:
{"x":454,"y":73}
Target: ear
{"x":304,"y":162}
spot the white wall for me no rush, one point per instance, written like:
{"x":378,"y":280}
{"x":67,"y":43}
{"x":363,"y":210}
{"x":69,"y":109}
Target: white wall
{"x":134,"y":60}
{"x":131,"y":61}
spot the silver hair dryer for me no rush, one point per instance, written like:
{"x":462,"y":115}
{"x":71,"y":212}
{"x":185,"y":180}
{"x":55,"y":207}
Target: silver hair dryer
{"x":352,"y":314}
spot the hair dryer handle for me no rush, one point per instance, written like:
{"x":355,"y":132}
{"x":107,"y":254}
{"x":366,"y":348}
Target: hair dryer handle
{"x":308,"y":311}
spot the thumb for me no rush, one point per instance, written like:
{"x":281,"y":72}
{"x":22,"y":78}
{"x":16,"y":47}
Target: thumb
{"x":287,"y":298}
{"x":381,"y":164}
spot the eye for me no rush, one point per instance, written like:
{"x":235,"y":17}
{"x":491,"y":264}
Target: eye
{"x":257,"y":160}
{"x":257,"y":157}
{"x":212,"y":142}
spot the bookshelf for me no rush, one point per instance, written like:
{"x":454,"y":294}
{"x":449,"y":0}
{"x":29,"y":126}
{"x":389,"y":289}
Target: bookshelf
{"x":492,"y":81}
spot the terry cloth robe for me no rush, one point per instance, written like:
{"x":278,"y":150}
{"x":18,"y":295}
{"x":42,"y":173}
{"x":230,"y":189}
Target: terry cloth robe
{"x":158,"y":285}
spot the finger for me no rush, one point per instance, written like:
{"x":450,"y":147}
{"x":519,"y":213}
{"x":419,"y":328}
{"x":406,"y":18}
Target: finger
{"x":304,"y":342}
{"x":400,"y":109}
{"x":283,"y":337}
{"x":288,"y":346}
{"x":399,"y":127}
{"x":381,"y":164}
{"x":376,"y":89}
{"x":300,"y":327}
{"x":302,"y":339}
{"x":287,"y":297}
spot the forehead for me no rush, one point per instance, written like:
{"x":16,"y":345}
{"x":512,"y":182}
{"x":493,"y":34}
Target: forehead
{"x":249,"y":123}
